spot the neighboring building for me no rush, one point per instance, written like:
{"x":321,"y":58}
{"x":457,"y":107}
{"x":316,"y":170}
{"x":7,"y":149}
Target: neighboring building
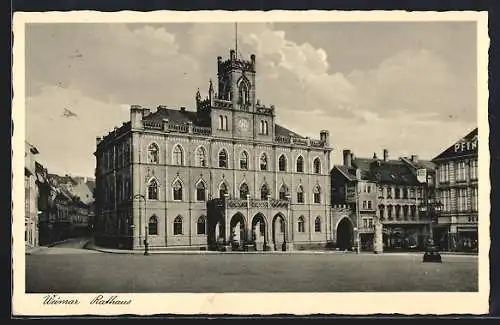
{"x":457,"y":189}
{"x":225,"y":172}
{"x":30,"y":196}
{"x":65,"y":213}
{"x":392,"y":193}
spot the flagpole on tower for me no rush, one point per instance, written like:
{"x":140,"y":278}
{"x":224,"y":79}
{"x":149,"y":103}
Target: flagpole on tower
{"x":236,"y":38}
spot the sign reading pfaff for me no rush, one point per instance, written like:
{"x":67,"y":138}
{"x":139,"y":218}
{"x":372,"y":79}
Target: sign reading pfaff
{"x":466,"y":145}
{"x":421,"y":175}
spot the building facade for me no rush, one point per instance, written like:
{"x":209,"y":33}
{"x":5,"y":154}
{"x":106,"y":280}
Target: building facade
{"x":30,"y":197}
{"x":225,"y":173}
{"x":457,"y":189}
{"x":387,"y":199}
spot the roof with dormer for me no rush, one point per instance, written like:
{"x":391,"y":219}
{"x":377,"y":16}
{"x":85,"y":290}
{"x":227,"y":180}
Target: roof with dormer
{"x":376,"y":170}
{"x":185,"y":116}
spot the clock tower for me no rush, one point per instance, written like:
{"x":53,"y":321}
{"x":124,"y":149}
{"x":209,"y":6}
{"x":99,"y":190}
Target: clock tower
{"x":236,"y":95}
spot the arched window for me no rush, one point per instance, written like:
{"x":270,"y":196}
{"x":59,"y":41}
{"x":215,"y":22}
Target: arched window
{"x":283,"y":192}
{"x":177,"y":191}
{"x":200,"y":191}
{"x":153,"y":226}
{"x":244,"y":160}
{"x":153,"y":190}
{"x":264,"y":192}
{"x":300,"y":164}
{"x":222,"y":190}
{"x":178,"y":225}
{"x":243,"y":94}
{"x":153,"y":154}
{"x":263,"y":162}
{"x":317,"y":194}
{"x":178,"y":155}
{"x":201,"y":228}
{"x":317,"y":166}
{"x":223,"y":122}
{"x":300,"y":194}
{"x":266,"y":128}
{"x":201,"y":157}
{"x":261,"y":127}
{"x":223,"y":158}
{"x":301,"y":224}
{"x":317,"y":224}
{"x":282,"y":163}
{"x":243,"y":191}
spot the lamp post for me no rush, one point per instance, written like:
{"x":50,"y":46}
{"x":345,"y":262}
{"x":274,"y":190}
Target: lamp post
{"x":146,"y":244}
{"x":226,"y":232}
{"x":288,"y":203}
{"x":356,"y":229}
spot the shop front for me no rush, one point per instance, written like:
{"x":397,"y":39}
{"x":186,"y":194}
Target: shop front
{"x":408,"y":237}
{"x":467,"y":239}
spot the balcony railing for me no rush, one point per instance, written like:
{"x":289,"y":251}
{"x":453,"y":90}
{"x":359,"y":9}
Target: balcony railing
{"x":251,"y":203}
{"x":299,"y":141}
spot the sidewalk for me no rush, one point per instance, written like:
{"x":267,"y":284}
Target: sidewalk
{"x":34,"y":250}
{"x":91,"y":246}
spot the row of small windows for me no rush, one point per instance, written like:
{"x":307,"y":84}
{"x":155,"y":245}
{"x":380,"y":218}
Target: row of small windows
{"x":201,"y":225}
{"x":177,"y":192}
{"x":223,"y":123}
{"x":302,"y":227}
{"x":201,"y":159}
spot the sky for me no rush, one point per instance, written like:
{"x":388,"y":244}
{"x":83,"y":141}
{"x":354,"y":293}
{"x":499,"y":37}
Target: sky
{"x":409,"y":87}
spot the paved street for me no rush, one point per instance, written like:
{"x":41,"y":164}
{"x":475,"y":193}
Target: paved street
{"x":72,"y":269}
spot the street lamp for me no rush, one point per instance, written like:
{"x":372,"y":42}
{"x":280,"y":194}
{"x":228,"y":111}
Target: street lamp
{"x":226,"y":237}
{"x":146,"y":244}
{"x":289,"y":202}
{"x":356,"y":229}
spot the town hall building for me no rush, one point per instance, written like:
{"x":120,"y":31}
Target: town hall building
{"x":225,"y":173}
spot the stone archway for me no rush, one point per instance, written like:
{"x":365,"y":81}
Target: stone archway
{"x":237,"y":229}
{"x":345,"y":231}
{"x":259,"y":231}
{"x":278,"y":231}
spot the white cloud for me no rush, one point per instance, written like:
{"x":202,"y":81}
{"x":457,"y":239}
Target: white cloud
{"x":98,"y":70}
{"x":67,"y":144}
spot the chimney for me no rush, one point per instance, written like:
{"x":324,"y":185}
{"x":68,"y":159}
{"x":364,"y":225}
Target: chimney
{"x":386,"y":154}
{"x":374,"y":155}
{"x":347,"y":157}
{"x":183,"y":109}
{"x":414,"y":158}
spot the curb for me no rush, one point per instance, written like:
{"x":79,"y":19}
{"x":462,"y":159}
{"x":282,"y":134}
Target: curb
{"x":193,"y":252}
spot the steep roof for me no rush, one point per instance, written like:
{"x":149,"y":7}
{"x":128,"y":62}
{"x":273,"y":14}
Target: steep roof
{"x":184,"y":116}
{"x":376,"y":170}
{"x":283,"y":131}
{"x":172,"y":115}
{"x":465,"y":146}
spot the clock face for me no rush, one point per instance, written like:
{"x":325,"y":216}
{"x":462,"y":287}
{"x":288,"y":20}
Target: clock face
{"x":243,"y":124}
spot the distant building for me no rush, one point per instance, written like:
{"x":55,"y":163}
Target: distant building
{"x":30,"y":197}
{"x":225,"y":173}
{"x":457,"y":189}
{"x":71,"y":207}
{"x":393,"y":193}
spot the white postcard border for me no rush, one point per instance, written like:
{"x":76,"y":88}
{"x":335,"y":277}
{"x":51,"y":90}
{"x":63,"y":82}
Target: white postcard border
{"x":251,"y":303}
